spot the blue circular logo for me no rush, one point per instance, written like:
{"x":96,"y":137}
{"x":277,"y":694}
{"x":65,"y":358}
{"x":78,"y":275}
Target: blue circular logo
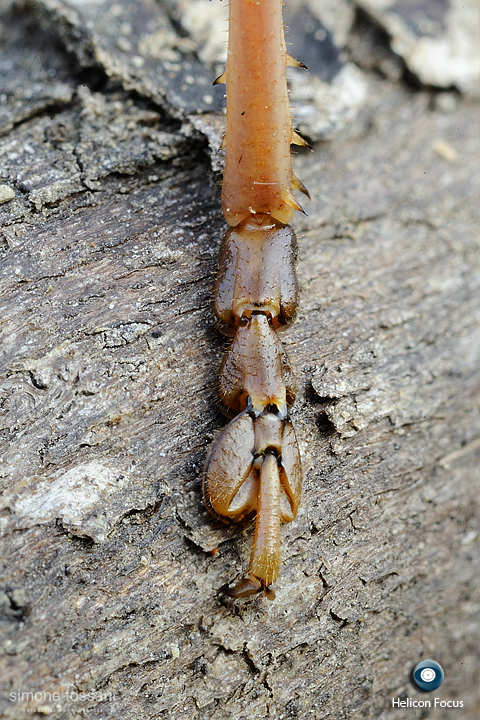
{"x":428,"y":675}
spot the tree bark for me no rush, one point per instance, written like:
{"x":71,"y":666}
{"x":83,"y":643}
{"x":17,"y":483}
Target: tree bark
{"x":111,"y":567}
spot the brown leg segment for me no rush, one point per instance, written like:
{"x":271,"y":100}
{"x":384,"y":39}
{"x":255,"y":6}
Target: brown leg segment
{"x":254,"y":465}
{"x":265,"y":558}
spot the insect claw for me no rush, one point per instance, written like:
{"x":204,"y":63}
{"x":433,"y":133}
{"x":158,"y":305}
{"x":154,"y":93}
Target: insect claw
{"x":269,"y":592}
{"x":245,"y":587}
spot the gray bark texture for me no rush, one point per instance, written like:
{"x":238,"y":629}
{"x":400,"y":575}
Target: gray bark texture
{"x":111,"y":223}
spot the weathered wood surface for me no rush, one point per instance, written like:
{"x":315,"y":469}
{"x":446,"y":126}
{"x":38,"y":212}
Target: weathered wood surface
{"x":108,"y":366}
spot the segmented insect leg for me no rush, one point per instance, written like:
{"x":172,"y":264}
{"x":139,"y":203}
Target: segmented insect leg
{"x":253,"y":468}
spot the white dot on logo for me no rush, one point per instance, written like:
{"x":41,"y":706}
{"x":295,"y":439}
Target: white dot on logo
{"x":428,"y":675}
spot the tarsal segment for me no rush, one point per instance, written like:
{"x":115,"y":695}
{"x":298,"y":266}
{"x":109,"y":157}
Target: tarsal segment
{"x":254,"y":466}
